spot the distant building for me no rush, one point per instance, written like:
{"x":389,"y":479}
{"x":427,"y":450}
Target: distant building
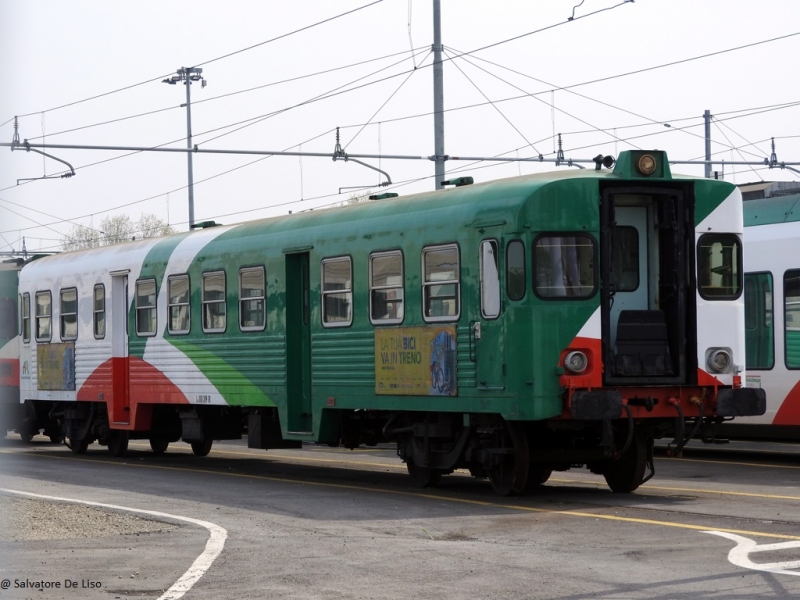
{"x":763,"y":189}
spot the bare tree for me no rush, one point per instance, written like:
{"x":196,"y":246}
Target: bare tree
{"x":114,"y":230}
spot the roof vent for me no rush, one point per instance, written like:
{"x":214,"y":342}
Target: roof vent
{"x":383,"y":196}
{"x":459,"y":181}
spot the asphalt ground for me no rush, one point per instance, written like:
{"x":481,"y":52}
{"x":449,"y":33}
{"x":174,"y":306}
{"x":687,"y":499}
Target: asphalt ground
{"x":334,"y":523}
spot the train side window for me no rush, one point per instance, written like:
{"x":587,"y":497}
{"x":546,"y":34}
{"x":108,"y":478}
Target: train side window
{"x":490,"y":280}
{"x":625,"y":258}
{"x":43,"y":316}
{"x":791,"y":317}
{"x":69,"y":314}
{"x":178,"y":304}
{"x":337,"y":292}
{"x":759,"y":335}
{"x":515,"y":270}
{"x":9,"y":327}
{"x":99,"y":319}
{"x":386,"y":288}
{"x":564,"y":266}
{"x":25,"y":311}
{"x":719,"y":267}
{"x":441,"y":286}
{"x":214,"y":302}
{"x":146,"y":318}
{"x":252,"y":299}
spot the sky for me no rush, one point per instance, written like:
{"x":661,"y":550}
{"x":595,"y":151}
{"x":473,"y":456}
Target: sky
{"x":608,"y":75}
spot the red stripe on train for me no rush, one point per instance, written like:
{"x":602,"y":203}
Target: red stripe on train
{"x":789,"y":412}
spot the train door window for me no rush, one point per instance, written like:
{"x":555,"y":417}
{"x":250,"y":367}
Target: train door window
{"x":146,"y":307}
{"x":99,"y":320}
{"x":337,"y":292}
{"x":440,"y":283}
{"x":178,"y":305}
{"x":69,"y":314}
{"x":43,"y":316}
{"x":759,"y":337}
{"x":214,"y":302}
{"x":490,"y":280}
{"x":625,"y":258}
{"x":564,"y":266}
{"x":719,"y":267}
{"x":252,"y":299}
{"x":386,"y":287}
{"x":25,"y":312}
{"x":515,"y":270}
{"x":791,"y":317}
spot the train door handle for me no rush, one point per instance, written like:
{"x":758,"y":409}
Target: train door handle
{"x":476,"y":330}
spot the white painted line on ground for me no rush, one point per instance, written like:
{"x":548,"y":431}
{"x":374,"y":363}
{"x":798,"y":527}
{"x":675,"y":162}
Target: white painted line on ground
{"x":214,"y":545}
{"x":739,"y":554}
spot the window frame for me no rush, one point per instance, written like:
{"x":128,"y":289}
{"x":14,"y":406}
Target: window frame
{"x":95,"y":311}
{"x":187,"y":304}
{"x":62,"y":314}
{"x":48,"y":316}
{"x":223,"y":302}
{"x":495,"y":243}
{"x":154,"y":307}
{"x":739,"y":266}
{"x":795,"y":273}
{"x":263,"y":298}
{"x":426,"y":284}
{"x":349,"y":291}
{"x":595,"y":263}
{"x":25,"y":300}
{"x":524,"y":271}
{"x":402,"y":287}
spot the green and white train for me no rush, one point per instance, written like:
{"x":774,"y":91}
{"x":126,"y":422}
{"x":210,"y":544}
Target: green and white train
{"x":511,"y":328}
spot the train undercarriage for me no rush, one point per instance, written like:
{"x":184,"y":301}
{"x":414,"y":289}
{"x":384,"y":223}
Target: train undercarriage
{"x":514,"y":456}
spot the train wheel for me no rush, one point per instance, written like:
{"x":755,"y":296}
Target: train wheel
{"x":423,"y":477}
{"x":78,"y":447}
{"x":26,"y":435}
{"x":626,"y":473}
{"x":202,"y":448}
{"x":537,"y":475}
{"x":55,"y":435}
{"x":118,"y":443}
{"x":158,"y":446}
{"x":509,"y":474}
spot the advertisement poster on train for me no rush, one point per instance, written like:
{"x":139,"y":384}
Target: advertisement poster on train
{"x":55,"y":366}
{"x":416,"y":361}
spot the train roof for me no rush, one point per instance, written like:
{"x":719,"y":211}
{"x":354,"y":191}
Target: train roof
{"x":768,"y":211}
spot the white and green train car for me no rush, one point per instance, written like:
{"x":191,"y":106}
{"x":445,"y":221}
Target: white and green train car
{"x":512,"y":328}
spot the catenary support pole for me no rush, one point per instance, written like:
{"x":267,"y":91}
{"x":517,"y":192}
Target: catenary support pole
{"x":438,"y":96}
{"x":707,"y":119}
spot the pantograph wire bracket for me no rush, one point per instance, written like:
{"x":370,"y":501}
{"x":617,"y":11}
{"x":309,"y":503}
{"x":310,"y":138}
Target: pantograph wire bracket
{"x":15,"y":144}
{"x":338,"y":154}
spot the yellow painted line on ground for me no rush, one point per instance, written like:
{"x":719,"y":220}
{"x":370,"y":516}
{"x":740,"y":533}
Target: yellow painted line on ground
{"x":428,"y":496}
{"x":725,"y":462}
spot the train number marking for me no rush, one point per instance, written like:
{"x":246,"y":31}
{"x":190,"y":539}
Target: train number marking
{"x":739,"y":555}
{"x":203,"y":399}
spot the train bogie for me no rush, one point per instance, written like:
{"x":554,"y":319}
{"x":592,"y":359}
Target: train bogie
{"x":510,"y":328}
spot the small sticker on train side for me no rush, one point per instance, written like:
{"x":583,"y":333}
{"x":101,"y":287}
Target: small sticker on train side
{"x":753,"y":381}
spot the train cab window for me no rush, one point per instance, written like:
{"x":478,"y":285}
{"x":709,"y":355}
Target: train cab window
{"x":178,"y":305}
{"x":759,"y":336}
{"x":490,"y":280}
{"x":625,"y":258}
{"x":146,"y":307}
{"x":564,"y":266}
{"x":441,"y":287}
{"x":25,"y":313}
{"x":214,"y":302}
{"x":791,"y":317}
{"x":337,"y":292}
{"x":386,"y":287}
{"x":515,"y":270}
{"x":99,"y":319}
{"x":719,"y":267}
{"x":43,"y":316}
{"x":69,"y":314}
{"x":252,"y":299}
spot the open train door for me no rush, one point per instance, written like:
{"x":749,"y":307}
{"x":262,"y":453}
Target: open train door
{"x":647,"y":260}
{"x":120,"y":369}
